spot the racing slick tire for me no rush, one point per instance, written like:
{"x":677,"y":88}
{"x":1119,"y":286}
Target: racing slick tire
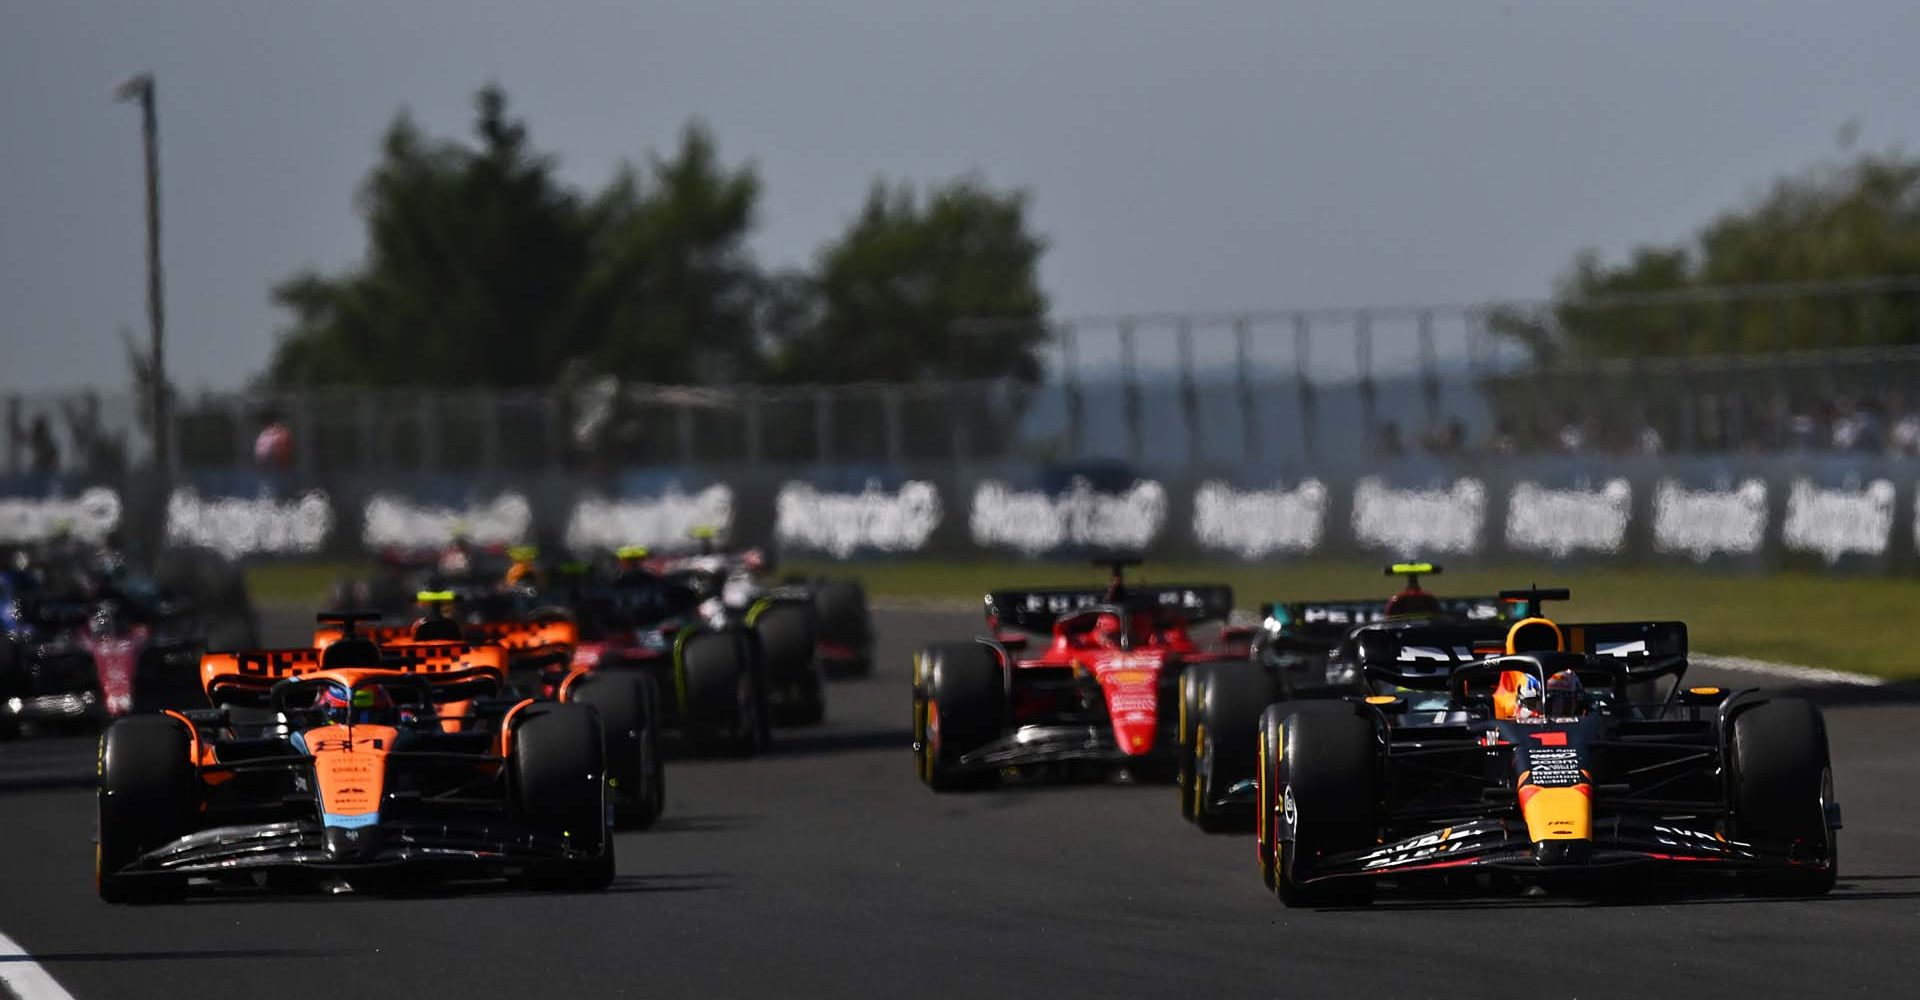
{"x":1224,"y":744}
{"x":959,"y":704}
{"x":558,"y":768}
{"x":12,"y":680}
{"x":1188,"y":714}
{"x":726,"y":697}
{"x":1318,"y":786}
{"x":629,"y":708}
{"x":786,"y":630}
{"x":149,"y":794}
{"x":842,"y":616}
{"x":1782,"y":785}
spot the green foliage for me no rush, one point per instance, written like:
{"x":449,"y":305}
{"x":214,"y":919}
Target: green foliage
{"x":893,"y":292}
{"x":483,"y":270}
{"x":1826,"y":226}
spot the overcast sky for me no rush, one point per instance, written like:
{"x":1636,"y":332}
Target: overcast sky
{"x":1210,"y":156}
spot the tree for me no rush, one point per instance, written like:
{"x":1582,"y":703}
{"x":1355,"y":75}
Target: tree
{"x":471,"y":263}
{"x":483,"y":270}
{"x":941,"y":287}
{"x":1828,"y":225}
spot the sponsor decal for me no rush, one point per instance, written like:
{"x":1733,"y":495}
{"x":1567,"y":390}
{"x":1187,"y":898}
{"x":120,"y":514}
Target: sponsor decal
{"x":1034,"y":522}
{"x":89,"y":517}
{"x":1255,"y":523}
{"x":1703,"y":523}
{"x":1562,"y":522}
{"x":1426,"y":521}
{"x":1408,"y":851}
{"x":661,"y":521}
{"x":845,"y":523}
{"x":1839,"y":522}
{"x":391,"y":521}
{"x":235,"y":527}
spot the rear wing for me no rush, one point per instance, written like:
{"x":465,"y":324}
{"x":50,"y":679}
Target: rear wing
{"x":1333,"y":619}
{"x":519,"y":637}
{"x":1424,"y":657}
{"x":247,"y":676}
{"x":1037,"y":610}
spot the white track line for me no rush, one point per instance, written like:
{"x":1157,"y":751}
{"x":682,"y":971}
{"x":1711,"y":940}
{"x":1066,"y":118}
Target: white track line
{"x":1786,"y":671}
{"x":23,"y":977}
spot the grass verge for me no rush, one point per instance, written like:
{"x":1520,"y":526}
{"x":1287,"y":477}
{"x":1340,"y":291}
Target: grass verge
{"x":1849,"y":623}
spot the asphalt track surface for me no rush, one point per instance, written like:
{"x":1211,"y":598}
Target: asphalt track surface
{"x":827,"y":870}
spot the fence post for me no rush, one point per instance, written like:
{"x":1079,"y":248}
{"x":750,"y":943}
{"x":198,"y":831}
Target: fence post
{"x":428,"y":416}
{"x":683,"y":429}
{"x":1243,"y":378}
{"x":822,"y":426}
{"x":896,"y":444}
{"x":1363,"y":363}
{"x":1429,"y":370}
{"x":1302,"y":365}
{"x":14,"y":410}
{"x":1070,"y":386}
{"x":1130,"y":393}
{"x":750,"y":419}
{"x":1189,"y":394}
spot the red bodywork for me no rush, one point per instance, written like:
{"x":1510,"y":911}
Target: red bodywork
{"x":1127,"y":656}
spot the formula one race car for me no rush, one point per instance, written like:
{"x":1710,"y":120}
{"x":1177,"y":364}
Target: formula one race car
{"x":1099,"y":691}
{"x":87,"y":646}
{"x":1534,"y":760}
{"x":348,"y":767}
{"x":537,"y":656}
{"x":1295,"y":655}
{"x":841,"y":631}
{"x":784,"y":619}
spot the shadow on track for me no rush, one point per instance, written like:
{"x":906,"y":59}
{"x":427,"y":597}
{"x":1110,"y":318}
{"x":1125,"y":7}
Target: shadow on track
{"x":807,"y":743}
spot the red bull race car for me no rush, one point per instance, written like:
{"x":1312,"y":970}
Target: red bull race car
{"x":350,"y":767}
{"x":1067,"y":679}
{"x":1555,"y":754}
{"x":1297,"y":653}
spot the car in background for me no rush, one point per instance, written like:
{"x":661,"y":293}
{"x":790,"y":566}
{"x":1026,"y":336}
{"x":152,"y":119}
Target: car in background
{"x":1067,"y":679}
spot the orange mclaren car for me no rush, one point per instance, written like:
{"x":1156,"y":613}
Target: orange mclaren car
{"x":345,"y":766}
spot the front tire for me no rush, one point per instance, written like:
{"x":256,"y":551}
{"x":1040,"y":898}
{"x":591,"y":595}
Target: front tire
{"x":149,"y":794}
{"x":559,"y":776}
{"x":1225,"y":741}
{"x":1782,"y":785}
{"x":1323,"y":802}
{"x":959,"y":704}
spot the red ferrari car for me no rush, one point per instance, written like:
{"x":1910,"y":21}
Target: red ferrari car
{"x":1067,"y":678}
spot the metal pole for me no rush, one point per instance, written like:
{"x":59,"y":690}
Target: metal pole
{"x":1189,"y":394}
{"x":1243,"y":370}
{"x":141,"y":88}
{"x":1302,"y":366}
{"x":1136,"y":443}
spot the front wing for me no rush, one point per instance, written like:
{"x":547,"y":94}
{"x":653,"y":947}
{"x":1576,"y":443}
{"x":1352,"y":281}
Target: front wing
{"x":303,"y":844}
{"x":1499,"y":844}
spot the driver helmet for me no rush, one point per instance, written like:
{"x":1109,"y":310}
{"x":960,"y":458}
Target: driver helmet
{"x":1413,"y":601}
{"x":1518,"y":695}
{"x":359,"y":706}
{"x":1566,"y":697}
{"x":1109,"y":627}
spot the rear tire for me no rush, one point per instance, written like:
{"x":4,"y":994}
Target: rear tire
{"x":559,"y":775}
{"x":959,"y":704}
{"x":628,"y":705}
{"x":1226,"y":741}
{"x":1327,"y":768}
{"x":842,"y":617}
{"x":726,"y":701}
{"x":1782,"y":783}
{"x":149,"y":795}
{"x":787,"y":640}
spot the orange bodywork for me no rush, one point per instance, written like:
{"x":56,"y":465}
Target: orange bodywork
{"x":350,"y":764}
